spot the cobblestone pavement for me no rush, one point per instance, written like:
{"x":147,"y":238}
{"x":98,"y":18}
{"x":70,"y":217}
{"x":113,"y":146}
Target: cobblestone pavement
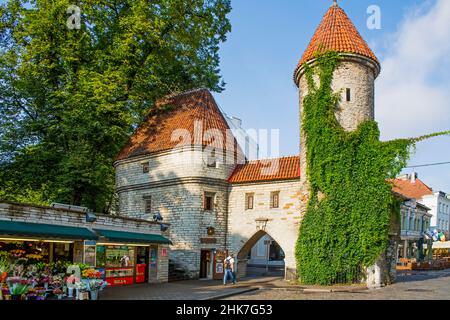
{"x":428,"y":285}
{"x":182,"y":290}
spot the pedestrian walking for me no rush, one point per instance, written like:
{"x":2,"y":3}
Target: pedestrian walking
{"x":229,"y":270}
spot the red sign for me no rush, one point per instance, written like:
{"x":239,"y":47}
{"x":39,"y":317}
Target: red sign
{"x":140,"y":273}
{"x":120,"y":281}
{"x":164,"y":252}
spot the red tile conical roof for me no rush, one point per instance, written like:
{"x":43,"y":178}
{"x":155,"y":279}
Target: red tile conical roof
{"x":193,"y":113}
{"x":337,"y":33}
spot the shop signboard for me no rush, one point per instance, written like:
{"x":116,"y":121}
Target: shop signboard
{"x":219,"y":259}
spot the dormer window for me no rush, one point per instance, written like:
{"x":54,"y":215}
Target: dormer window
{"x":348,"y":94}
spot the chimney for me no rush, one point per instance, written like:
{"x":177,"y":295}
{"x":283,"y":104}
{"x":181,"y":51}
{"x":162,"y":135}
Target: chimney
{"x":414,"y":176}
{"x":236,"y":121}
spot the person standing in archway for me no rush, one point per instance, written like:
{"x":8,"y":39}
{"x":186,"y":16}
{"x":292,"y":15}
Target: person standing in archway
{"x":229,"y":270}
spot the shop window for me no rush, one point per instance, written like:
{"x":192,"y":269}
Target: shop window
{"x":208,"y":201}
{"x":146,"y":167}
{"x":249,"y":198}
{"x":275,"y":200}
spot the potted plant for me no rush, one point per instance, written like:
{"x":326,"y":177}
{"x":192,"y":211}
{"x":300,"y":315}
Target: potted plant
{"x":44,"y":280}
{"x":80,"y":289}
{"x":41,"y":293}
{"x":31,"y":295}
{"x":95,"y":286}
{"x":5,"y":267}
{"x":17,"y":287}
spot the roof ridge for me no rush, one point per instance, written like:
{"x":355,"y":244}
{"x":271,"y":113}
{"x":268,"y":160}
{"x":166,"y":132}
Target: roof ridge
{"x":177,"y":94}
{"x":275,"y":158}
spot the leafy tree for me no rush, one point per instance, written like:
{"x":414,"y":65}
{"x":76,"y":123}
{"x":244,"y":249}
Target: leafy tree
{"x":70,"y":97}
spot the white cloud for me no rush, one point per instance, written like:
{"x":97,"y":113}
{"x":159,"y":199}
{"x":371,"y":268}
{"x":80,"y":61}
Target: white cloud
{"x":413,"y":91}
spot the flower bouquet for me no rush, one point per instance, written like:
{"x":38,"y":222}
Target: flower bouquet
{"x":41,"y":293}
{"x":91,"y":274}
{"x":81,"y":289}
{"x":44,"y":280}
{"x":56,"y":282}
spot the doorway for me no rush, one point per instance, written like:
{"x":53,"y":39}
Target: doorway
{"x":206,"y":264}
{"x":142,"y":262}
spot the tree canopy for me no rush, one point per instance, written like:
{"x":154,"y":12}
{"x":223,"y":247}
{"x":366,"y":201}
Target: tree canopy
{"x":70,"y":97}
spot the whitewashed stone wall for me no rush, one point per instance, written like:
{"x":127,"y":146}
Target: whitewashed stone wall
{"x":282,"y":224}
{"x":46,"y":215}
{"x":176,"y":183}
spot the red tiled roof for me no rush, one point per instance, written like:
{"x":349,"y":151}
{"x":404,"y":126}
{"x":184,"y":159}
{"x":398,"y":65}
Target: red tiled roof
{"x":411,"y":190}
{"x":337,"y":33}
{"x":193,"y":112}
{"x":287,"y":168}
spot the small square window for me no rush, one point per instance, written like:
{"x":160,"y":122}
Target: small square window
{"x":212,"y":160}
{"x":145,"y":167}
{"x":274,"y":200}
{"x":208,"y":201}
{"x":249,"y":198}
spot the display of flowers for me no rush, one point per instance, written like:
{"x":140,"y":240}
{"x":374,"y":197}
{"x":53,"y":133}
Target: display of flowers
{"x":33,"y":256}
{"x":43,"y":279}
{"x":56,"y":282}
{"x":97,"y":284}
{"x":80,"y":286}
{"x":91,"y":274}
{"x":17,"y":253}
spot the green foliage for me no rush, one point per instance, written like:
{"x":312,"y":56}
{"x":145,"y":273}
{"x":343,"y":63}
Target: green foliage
{"x":69,"y":99}
{"x":346,"y":224}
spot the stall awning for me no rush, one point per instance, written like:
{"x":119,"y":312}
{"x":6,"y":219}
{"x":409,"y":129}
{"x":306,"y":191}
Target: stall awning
{"x":47,"y":231}
{"x":131,"y":237}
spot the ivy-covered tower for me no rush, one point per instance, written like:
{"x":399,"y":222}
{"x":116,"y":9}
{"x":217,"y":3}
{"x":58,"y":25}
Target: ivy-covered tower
{"x":354,"y":79}
{"x":355,"y":76}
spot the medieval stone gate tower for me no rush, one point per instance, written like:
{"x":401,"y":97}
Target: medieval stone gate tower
{"x":214,"y":205}
{"x":354,"y":77}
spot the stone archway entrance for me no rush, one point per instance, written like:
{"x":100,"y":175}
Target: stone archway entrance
{"x":260,"y":256}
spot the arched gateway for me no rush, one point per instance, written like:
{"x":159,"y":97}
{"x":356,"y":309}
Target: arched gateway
{"x":214,"y":206}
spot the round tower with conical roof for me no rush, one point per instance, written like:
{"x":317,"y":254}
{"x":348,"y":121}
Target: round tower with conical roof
{"x":354,"y":77}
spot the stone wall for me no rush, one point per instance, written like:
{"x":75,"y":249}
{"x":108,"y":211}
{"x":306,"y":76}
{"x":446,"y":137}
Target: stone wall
{"x":162,"y":274}
{"x":38,"y":214}
{"x":282,"y":223}
{"x":176,"y":184}
{"x":46,"y":215}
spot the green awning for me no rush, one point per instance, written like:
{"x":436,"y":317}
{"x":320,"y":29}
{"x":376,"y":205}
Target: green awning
{"x":131,"y":237}
{"x":47,"y":231}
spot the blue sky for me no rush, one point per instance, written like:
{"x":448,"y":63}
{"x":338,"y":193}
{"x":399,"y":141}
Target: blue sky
{"x":412,"y":92}
{"x":269,"y":37}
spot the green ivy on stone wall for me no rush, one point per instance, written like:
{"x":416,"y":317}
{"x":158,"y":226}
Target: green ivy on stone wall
{"x":346,"y":224}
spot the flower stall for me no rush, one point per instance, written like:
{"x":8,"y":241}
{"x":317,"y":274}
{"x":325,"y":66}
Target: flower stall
{"x":47,"y":281}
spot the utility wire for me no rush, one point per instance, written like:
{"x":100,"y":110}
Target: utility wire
{"x":429,"y":165}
